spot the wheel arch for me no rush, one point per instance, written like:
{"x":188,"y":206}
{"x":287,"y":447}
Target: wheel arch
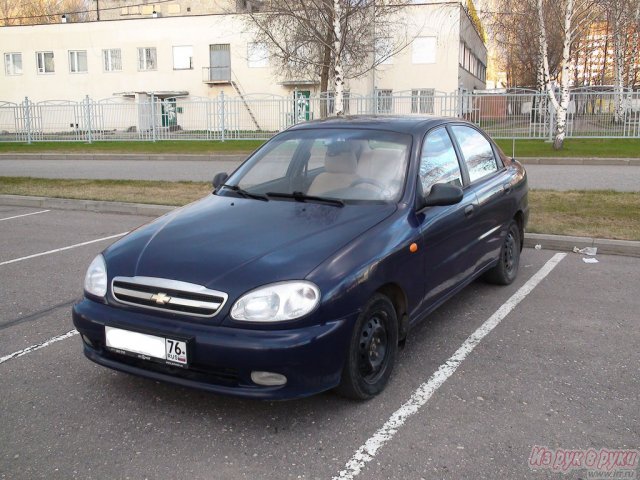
{"x":398,"y":298}
{"x":519,"y":218}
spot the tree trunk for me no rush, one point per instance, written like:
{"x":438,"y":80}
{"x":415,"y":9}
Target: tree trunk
{"x":339,"y":72}
{"x":561,"y":107}
{"x":324,"y":76}
{"x":618,"y":65}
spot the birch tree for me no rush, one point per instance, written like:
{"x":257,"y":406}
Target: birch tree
{"x":329,"y":40}
{"x":576,"y":17}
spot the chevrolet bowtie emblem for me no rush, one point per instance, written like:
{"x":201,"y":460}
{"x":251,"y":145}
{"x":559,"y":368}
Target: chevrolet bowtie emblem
{"x":160,"y":298}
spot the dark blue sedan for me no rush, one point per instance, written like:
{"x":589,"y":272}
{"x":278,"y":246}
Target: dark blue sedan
{"x":309,"y":265}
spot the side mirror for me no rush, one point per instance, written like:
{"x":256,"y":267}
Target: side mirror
{"x":443,"y":194}
{"x":219,"y":179}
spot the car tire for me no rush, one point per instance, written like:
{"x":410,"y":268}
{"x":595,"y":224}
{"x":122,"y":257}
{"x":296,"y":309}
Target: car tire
{"x":506,"y":271}
{"x":372,"y":350}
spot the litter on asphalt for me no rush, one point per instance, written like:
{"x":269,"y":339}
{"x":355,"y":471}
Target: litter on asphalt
{"x":586,"y":250}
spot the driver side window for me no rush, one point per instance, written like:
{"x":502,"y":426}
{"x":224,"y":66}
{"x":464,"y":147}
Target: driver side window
{"x":439,"y":163}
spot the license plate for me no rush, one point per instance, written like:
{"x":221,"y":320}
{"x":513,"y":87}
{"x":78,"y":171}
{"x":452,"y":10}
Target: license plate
{"x":147,"y":347}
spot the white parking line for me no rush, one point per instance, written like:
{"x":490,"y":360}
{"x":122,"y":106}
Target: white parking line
{"x":24,"y":215}
{"x":38,"y":346}
{"x":62,"y":249}
{"x":424,"y":392}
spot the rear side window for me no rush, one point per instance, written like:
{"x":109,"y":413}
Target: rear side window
{"x":477,"y":152}
{"x":438,"y":163}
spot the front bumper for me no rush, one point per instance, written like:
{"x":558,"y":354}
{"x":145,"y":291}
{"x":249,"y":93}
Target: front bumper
{"x":222,"y":358}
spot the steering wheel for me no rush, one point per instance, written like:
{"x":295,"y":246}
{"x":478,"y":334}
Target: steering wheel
{"x":369,"y":181}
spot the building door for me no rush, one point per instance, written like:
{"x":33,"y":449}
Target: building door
{"x":169,"y":117}
{"x":301,"y":105}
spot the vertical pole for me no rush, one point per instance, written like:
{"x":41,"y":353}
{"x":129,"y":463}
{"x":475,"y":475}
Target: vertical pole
{"x":222,"y":119}
{"x":27,"y":119}
{"x":153,"y":117}
{"x":87,"y":113}
{"x":207,"y":107}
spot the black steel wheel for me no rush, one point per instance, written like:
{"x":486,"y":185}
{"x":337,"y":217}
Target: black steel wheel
{"x":506,"y":270}
{"x":372,"y":350}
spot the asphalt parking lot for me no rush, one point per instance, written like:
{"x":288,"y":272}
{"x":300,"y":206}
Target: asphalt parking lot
{"x":560,"y":369}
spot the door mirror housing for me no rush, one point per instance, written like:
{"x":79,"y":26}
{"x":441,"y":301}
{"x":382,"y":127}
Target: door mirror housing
{"x":219,"y":179}
{"x":443,"y":194}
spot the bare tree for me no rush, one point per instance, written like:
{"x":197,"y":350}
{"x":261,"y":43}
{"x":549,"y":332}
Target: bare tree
{"x":516,"y":38}
{"x":330,"y":40}
{"x":33,"y":12}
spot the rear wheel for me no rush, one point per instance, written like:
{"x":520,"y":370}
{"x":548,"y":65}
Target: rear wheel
{"x":372,"y":350}
{"x":506,"y":270}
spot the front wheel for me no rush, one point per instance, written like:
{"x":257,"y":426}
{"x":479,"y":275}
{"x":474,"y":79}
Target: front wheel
{"x":372,"y":350}
{"x":506,"y":270}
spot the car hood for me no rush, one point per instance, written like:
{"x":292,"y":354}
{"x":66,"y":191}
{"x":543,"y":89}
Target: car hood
{"x":234,"y":244}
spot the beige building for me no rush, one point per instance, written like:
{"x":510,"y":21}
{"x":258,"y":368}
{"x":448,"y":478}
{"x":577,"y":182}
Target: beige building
{"x":177,"y":55}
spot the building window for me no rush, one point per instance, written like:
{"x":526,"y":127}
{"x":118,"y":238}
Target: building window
{"x":257,"y":55}
{"x":220,"y":62}
{"x":147,"y":59}
{"x":471,"y":63}
{"x":183,"y":57}
{"x":78,"y":61}
{"x":384,"y":101}
{"x":13,"y":63}
{"x":44,"y":61}
{"x":112,"y":60}
{"x":424,"y":50}
{"x":383,"y":51}
{"x":422,"y":100}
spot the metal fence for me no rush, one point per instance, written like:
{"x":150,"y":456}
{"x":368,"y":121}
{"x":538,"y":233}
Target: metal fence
{"x":502,"y":115}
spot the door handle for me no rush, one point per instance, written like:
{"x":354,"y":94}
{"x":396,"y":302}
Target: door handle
{"x":468,"y":210}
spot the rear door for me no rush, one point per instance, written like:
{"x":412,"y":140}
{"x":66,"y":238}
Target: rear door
{"x":489,"y":181}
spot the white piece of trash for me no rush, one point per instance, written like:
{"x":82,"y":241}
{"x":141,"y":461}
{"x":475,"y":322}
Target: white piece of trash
{"x":538,"y":247}
{"x":589,"y":260}
{"x":586,"y":250}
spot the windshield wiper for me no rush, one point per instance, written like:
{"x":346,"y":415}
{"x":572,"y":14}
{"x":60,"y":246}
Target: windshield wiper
{"x":301,"y":197}
{"x":243,"y":193}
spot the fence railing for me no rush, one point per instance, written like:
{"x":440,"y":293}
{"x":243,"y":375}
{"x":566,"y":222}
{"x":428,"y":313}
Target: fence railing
{"x":521,"y":115}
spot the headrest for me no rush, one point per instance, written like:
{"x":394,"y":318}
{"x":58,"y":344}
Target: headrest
{"x":343,"y":162}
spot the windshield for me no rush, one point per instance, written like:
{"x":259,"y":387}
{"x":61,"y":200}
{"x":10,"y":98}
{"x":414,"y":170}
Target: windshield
{"x":349,"y":165}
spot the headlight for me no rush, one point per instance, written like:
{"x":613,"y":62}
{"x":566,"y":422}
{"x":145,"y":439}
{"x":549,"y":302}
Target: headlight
{"x":277,"y":302}
{"x":95,"y":281}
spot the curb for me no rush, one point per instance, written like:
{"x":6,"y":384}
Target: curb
{"x":100,"y":206}
{"x":617,"y":162}
{"x":547,"y":242}
{"x":241,"y":156}
{"x":566,"y":243}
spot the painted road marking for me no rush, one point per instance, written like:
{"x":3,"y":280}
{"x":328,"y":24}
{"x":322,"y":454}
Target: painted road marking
{"x":37,"y":346}
{"x":24,"y":215}
{"x":62,"y":249}
{"x":424,"y":392}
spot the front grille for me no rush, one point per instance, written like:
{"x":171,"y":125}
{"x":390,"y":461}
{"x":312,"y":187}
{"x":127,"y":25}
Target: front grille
{"x":168,"y":295}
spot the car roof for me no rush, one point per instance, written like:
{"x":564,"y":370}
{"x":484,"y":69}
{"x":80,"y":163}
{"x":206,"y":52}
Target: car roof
{"x":400,"y":124}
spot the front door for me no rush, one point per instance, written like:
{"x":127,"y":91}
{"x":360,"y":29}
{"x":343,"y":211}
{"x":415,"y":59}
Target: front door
{"x":446,"y":230}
